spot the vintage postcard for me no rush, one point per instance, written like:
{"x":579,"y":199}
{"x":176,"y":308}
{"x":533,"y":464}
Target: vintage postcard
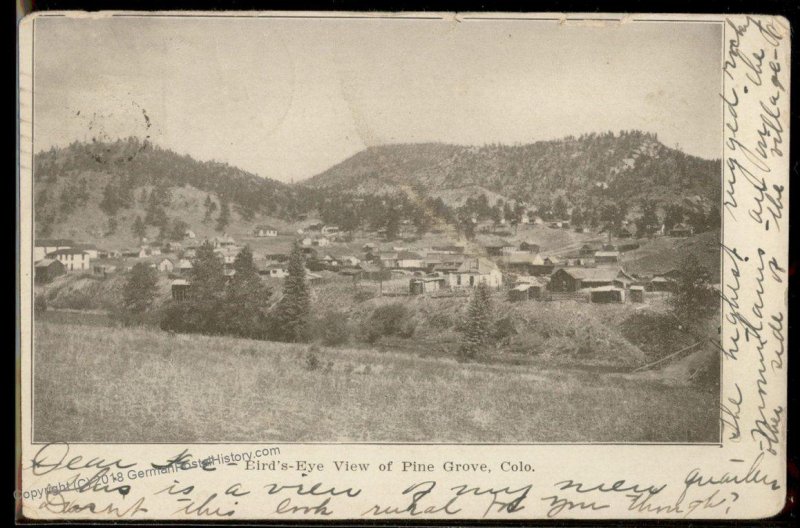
{"x":370,"y":266}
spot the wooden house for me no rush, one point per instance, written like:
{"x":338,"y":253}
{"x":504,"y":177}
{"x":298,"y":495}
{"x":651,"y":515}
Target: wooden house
{"x":575,"y":279}
{"x":47,"y":269}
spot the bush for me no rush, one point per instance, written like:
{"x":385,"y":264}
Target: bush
{"x":504,"y":329}
{"x":389,"y":320}
{"x":39,"y":304}
{"x":440,"y":320}
{"x":312,"y":361}
{"x":332,"y":329}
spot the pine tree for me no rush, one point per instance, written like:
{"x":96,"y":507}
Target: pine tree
{"x":294,"y":309}
{"x":694,"y":298}
{"x":139,"y":292}
{"x":224,"y":217}
{"x":477,"y":328}
{"x":138,"y":229}
{"x":207,"y":291}
{"x":246,"y":299}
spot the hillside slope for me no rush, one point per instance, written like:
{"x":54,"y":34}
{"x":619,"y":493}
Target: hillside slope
{"x":95,"y":191}
{"x":628,"y":165}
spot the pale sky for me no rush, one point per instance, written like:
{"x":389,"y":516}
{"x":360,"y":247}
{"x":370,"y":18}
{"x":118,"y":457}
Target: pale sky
{"x":288,"y":98}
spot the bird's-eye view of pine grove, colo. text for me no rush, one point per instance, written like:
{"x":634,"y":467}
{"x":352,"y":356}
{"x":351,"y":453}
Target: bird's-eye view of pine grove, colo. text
{"x":558,"y":291}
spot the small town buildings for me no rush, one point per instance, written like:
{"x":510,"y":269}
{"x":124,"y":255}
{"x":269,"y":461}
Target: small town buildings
{"x":171,"y":247}
{"x":223,"y":241}
{"x":527,"y":264}
{"x":681,"y":230}
{"x":497,"y":248}
{"x":180,"y":289}
{"x":72,"y":259}
{"x":43,"y":246}
{"x":526,"y":288}
{"x":409,"y":260}
{"x":448,"y":250}
{"x":575,"y":279}
{"x":636,"y":294}
{"x":474,"y":271}
{"x":530,"y":247}
{"x":422,"y":285}
{"x":89,"y":249}
{"x":659,"y":283}
{"x":587,"y":250}
{"x":46,"y":270}
{"x":306,"y":241}
{"x":607,"y":294}
{"x":104,"y":269}
{"x":147,"y":251}
{"x":185,"y":266}
{"x":606,"y":257}
{"x":322,"y":242}
{"x":373,"y":272}
{"x":350,"y":260}
{"x":165,"y":265}
{"x":277,"y":271}
{"x":627,"y":231}
{"x":265,"y":231}
{"x":330,"y":230}
{"x":109,"y":253}
{"x":189,"y":234}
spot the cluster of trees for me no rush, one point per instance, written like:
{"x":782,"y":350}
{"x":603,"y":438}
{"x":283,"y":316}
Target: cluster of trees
{"x":694,"y":298}
{"x":219,"y":305}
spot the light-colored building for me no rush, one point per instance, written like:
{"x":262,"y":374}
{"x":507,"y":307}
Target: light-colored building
{"x":72,"y":259}
{"x":265,"y":231}
{"x":410,"y":260}
{"x":166,"y":265}
{"x":475,"y":271}
{"x":44,"y":246}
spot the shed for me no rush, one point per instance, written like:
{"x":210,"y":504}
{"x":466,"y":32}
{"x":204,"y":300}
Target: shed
{"x":179,"y":289}
{"x":637,"y":294}
{"x":525,"y":291}
{"x":420,"y":285}
{"x":607,"y":294}
{"x":47,"y":269}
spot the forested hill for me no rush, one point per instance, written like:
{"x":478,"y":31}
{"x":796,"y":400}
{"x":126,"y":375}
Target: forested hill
{"x":628,"y":165}
{"x":93,"y":186}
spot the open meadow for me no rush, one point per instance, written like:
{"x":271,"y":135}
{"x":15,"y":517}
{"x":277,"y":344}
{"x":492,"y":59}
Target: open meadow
{"x":106,"y":384}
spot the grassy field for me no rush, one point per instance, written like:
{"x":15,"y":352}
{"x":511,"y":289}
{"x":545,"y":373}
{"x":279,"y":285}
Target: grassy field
{"x":96,"y":384}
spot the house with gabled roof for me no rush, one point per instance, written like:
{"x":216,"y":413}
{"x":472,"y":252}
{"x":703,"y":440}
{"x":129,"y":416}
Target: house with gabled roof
{"x":43,"y":246}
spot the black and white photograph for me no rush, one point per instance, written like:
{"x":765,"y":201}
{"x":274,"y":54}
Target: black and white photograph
{"x":373,"y":231}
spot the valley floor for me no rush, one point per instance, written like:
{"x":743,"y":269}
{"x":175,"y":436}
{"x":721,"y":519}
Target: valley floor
{"x":102,"y":384}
